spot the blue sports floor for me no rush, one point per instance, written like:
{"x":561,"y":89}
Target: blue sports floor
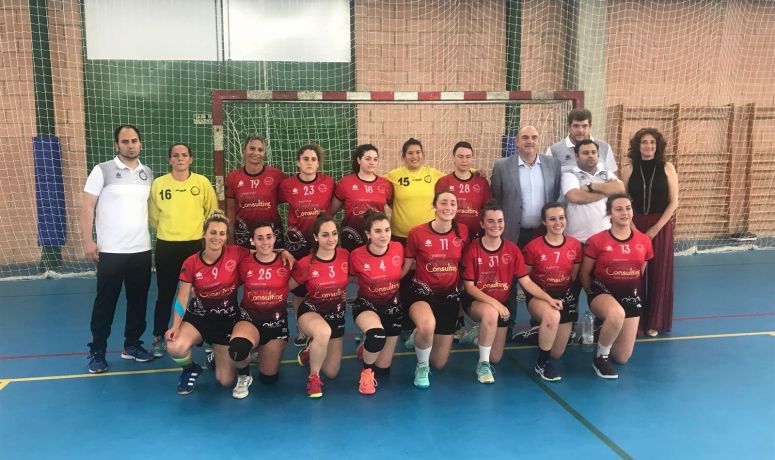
{"x":706,"y":391}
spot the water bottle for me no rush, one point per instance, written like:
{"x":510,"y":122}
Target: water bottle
{"x":588,"y":332}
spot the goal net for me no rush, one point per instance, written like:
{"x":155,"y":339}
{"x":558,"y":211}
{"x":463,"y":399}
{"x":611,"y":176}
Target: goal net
{"x":72,"y":70}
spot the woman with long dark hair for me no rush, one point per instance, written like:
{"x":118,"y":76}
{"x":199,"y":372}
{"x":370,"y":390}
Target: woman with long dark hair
{"x":652,"y":182}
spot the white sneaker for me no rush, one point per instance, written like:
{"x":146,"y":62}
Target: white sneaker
{"x":240,"y":390}
{"x":409,"y":343}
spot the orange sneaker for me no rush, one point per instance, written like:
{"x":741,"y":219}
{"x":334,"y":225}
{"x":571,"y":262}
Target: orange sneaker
{"x":368,"y":384}
{"x":314,"y":386}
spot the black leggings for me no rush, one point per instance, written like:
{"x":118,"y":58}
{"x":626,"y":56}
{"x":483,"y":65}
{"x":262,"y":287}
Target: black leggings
{"x":170,"y":256}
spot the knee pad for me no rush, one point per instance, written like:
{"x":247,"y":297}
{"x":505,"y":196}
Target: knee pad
{"x":380,"y":371}
{"x":268,"y":379}
{"x":239,"y":348}
{"x":375,"y":340}
{"x":183,"y":362}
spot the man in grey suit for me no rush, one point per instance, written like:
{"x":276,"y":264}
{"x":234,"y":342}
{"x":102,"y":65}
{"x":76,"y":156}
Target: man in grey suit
{"x":523,"y":184}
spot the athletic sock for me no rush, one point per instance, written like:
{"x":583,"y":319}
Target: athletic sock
{"x":423,"y":354}
{"x":602,"y":350}
{"x":484,"y":354}
{"x":543,"y":356}
{"x":244,"y":371}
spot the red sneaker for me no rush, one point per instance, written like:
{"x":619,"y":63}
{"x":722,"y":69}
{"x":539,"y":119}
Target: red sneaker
{"x":303,"y":357}
{"x":368,"y":384}
{"x":314,"y":386}
{"x":359,"y":352}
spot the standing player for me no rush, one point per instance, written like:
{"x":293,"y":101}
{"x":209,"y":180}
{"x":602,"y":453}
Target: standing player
{"x":359,"y":192}
{"x":376,"y":311}
{"x":308,"y":194}
{"x":179,"y":203}
{"x":252,"y":194}
{"x":553,"y":262}
{"x":209,"y":280}
{"x":490,"y":266}
{"x":413,"y":190}
{"x":471,"y":188}
{"x":611,"y":273}
{"x":434,"y":299}
{"x":321,"y":316}
{"x":266,"y":277}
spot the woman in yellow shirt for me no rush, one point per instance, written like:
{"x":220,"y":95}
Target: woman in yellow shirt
{"x":414,"y":185}
{"x":180,"y":202}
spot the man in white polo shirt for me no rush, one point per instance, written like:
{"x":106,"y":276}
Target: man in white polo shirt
{"x":586,"y":188}
{"x":115,"y":198}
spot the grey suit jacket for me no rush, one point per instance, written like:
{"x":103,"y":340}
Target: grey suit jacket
{"x":506,"y":189}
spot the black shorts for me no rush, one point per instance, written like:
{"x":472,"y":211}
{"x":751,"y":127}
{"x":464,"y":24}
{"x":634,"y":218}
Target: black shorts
{"x":297,"y":243}
{"x":300,"y":291}
{"x":271,"y":325}
{"x":214,"y":328}
{"x":390,"y":314}
{"x":631,"y":303}
{"x":351,"y":238}
{"x":466,"y":300}
{"x":335,"y":319}
{"x":444,"y":306}
{"x":570,"y":303}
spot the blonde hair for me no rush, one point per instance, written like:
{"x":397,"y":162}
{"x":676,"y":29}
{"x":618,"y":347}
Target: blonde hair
{"x":216,"y":216}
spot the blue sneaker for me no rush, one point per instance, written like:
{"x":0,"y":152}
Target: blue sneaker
{"x":137,"y":353}
{"x":187,"y":379}
{"x":421,"y":373}
{"x":484,"y":372}
{"x":97,"y":363}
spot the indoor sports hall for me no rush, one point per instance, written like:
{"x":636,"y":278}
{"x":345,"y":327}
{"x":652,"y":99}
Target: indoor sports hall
{"x":340,"y":73}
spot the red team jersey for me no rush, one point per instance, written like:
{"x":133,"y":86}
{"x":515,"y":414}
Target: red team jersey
{"x":619,"y":264}
{"x":306,"y":200}
{"x":493,"y":271}
{"x":553,"y":265}
{"x":257,"y":196}
{"x":326,"y":281}
{"x":471,"y":195}
{"x":437,"y":256}
{"x":266,"y":284}
{"x":215,"y":286}
{"x":378,"y":276}
{"x":358,"y":197}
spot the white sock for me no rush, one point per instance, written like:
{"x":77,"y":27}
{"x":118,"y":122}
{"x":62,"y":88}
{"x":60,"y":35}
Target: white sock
{"x":603,"y":351}
{"x":423,"y":354}
{"x":484,"y":354}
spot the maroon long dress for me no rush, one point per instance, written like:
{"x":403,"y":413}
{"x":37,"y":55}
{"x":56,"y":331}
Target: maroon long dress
{"x":650,"y":194}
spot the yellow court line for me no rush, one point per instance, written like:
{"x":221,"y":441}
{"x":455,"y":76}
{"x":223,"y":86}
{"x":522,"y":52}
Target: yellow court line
{"x":5,"y":382}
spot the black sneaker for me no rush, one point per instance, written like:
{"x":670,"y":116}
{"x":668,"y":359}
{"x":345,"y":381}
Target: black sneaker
{"x":97,"y":363}
{"x":547,"y":372}
{"x":604,"y":368}
{"x":210,"y":361}
{"x":528,"y":336}
{"x":300,"y":340}
{"x":187,"y":379}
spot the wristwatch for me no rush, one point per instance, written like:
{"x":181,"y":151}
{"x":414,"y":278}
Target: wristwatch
{"x":589,"y":187}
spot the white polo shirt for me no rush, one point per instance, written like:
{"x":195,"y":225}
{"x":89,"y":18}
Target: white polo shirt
{"x":584,"y":220}
{"x":121,"y":216}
